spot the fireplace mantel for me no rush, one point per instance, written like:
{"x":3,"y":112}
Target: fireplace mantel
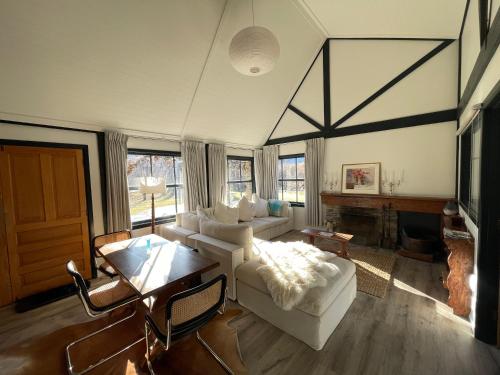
{"x":429,"y":205}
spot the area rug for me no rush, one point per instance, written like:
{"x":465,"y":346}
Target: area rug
{"x":373,"y":266}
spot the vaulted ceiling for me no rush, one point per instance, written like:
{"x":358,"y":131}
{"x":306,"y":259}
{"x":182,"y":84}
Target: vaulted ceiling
{"x":163,"y":66}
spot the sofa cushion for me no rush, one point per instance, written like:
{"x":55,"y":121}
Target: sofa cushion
{"x":246,"y":209}
{"x":190,"y":221}
{"x":260,"y":224}
{"x":226,"y":214}
{"x":260,"y":206}
{"x":317,"y":299}
{"x":172,"y":232}
{"x":274,"y":221}
{"x":239,"y":234}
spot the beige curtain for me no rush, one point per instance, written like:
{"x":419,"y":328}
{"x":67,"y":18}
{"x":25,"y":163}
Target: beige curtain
{"x":217,"y":180}
{"x":116,"y":182}
{"x":270,"y":156}
{"x":314,"y":165}
{"x":257,"y":165}
{"x":194,"y":174}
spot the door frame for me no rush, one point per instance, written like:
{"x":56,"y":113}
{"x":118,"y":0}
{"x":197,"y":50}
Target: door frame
{"x":86,"y":172}
{"x":487,"y":318}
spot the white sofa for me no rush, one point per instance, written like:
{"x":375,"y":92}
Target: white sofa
{"x":315,"y":318}
{"x":234,"y":247}
{"x":226,"y":247}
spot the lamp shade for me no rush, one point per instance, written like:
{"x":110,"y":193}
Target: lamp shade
{"x":254,"y":51}
{"x":152,"y":185}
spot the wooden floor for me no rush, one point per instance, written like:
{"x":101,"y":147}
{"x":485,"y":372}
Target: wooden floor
{"x":411,"y":331}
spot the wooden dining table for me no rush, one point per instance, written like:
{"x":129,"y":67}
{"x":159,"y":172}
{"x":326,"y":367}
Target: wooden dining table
{"x":152,"y":265}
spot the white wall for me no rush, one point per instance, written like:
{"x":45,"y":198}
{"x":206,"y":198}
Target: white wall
{"x":426,"y":154}
{"x":358,"y":68}
{"x":36,"y":134}
{"x":470,"y":42}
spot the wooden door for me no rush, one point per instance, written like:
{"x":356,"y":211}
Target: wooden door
{"x":5,"y":284}
{"x":45,"y":216}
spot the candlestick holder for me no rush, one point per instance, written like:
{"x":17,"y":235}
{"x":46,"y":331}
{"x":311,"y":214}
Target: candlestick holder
{"x":392,"y":185}
{"x":332,"y":184}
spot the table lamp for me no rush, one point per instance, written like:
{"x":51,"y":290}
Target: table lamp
{"x":152,"y":185}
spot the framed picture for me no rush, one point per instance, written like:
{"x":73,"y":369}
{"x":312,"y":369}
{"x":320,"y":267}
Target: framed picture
{"x":361,"y":178}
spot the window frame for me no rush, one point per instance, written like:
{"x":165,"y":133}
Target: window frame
{"x":164,"y":219}
{"x":466,"y":167}
{"x":292,"y":156}
{"x":252,"y":169}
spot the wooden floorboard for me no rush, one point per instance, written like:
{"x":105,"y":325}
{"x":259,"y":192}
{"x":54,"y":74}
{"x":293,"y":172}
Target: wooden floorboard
{"x":410,"y":331}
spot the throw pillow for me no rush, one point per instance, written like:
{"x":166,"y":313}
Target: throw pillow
{"x":226,"y":214}
{"x":278,"y":208}
{"x":206,"y":213}
{"x":190,"y":221}
{"x":260,"y":206}
{"x":247,"y":209}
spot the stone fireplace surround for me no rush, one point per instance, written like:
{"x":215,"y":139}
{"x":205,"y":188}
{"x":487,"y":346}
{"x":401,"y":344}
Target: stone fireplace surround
{"x":370,"y":226}
{"x":373,"y":219}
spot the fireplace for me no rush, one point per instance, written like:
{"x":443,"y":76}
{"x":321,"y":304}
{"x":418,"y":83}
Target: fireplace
{"x":377,"y":220}
{"x":370,"y":226}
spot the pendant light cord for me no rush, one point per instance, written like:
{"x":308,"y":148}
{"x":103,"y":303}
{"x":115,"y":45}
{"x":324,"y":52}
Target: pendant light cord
{"x":253,"y":16}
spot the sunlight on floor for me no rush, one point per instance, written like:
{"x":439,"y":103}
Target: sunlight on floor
{"x":441,"y":308}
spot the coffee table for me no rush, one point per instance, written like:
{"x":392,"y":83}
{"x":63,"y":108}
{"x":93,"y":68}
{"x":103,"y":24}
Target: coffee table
{"x":342,"y":238}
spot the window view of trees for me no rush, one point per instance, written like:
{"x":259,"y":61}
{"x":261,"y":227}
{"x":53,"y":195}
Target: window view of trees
{"x":166,"y":205}
{"x":240,"y":179}
{"x":291,"y":173}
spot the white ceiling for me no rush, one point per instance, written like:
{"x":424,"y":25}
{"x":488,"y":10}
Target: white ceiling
{"x":388,"y":18}
{"x":162,"y":66}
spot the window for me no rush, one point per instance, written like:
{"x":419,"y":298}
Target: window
{"x":470,"y":164}
{"x":291,"y":173}
{"x":240,"y":178}
{"x":154,"y":164}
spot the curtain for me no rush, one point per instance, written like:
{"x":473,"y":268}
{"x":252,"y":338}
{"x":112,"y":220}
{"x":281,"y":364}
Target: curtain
{"x":116,"y":182}
{"x":217,"y":180}
{"x":257,"y":165}
{"x":314,"y":164}
{"x":270,"y":172}
{"x":194,"y":174}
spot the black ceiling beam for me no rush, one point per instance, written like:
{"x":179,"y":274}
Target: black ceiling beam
{"x":396,"y":123}
{"x":382,"y":38}
{"x":459,"y":88}
{"x":327,"y":113}
{"x":395,"y":80}
{"x":306,"y":117}
{"x":298,"y":88}
{"x":483,"y":21}
{"x":485,"y":55}
{"x":294,"y":138}
{"x":377,"y":126}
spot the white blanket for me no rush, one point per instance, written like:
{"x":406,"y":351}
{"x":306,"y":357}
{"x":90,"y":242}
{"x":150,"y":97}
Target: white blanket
{"x":290,"y":269}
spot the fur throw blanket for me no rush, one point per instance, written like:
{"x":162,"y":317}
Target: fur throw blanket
{"x":290,"y":269}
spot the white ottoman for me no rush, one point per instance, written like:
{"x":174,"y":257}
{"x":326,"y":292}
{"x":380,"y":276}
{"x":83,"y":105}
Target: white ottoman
{"x":315,"y":318}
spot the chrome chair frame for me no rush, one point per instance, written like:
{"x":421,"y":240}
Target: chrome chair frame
{"x":167,"y":342}
{"x":97,"y":312}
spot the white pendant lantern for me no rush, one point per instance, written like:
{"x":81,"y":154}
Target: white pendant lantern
{"x":254,"y":50}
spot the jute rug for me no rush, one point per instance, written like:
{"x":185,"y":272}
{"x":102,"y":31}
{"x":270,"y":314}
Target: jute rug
{"x":373,"y":266}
